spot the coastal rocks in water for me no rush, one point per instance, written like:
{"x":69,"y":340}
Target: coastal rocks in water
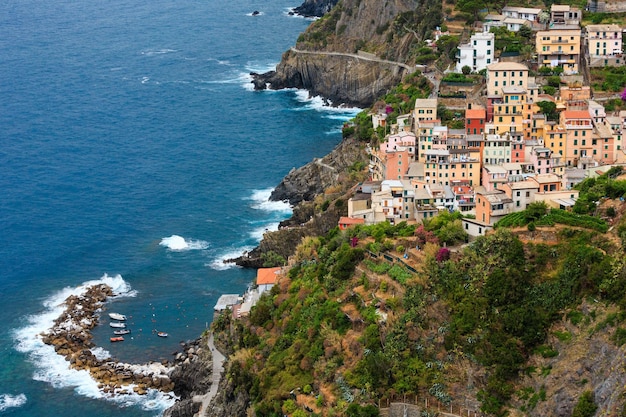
{"x":71,"y":337}
{"x":315,"y":8}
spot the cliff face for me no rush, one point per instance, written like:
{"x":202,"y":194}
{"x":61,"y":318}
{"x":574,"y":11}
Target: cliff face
{"x":357,"y":51}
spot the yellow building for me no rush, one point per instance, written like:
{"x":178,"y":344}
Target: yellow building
{"x":559,"y":48}
{"x":506,"y":74}
{"x":555,"y":138}
{"x":425,"y":109}
{"x":507,"y":114}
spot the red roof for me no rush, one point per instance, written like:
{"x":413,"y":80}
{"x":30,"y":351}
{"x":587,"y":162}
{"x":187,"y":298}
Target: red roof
{"x":351,"y":220}
{"x":475,"y":114}
{"x":576,"y":114}
{"x":266,"y":276}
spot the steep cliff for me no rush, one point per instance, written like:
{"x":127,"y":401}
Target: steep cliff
{"x":357,"y":51}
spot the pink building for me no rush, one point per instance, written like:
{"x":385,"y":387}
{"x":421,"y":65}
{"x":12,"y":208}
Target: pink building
{"x":397,"y":153}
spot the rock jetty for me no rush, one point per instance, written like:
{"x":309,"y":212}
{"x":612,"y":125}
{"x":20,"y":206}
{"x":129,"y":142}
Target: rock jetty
{"x":71,"y":337}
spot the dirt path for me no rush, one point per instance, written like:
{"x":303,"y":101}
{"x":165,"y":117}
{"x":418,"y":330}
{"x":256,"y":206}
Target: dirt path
{"x":216,"y":376}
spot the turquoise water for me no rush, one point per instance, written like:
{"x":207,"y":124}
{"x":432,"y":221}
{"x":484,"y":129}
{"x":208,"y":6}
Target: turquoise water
{"x":134,"y":151}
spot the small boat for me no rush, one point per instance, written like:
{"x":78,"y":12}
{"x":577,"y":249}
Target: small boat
{"x":117,"y":339}
{"x":121,"y":331}
{"x":162,"y":334}
{"x":117,"y":316}
{"x":117,"y":325}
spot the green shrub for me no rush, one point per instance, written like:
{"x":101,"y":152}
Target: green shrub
{"x":586,"y":405}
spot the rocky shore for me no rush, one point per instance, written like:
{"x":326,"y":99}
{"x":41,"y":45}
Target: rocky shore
{"x":71,"y":338}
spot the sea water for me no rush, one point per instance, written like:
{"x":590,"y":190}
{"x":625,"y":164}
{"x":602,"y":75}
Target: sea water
{"x":135,"y":152}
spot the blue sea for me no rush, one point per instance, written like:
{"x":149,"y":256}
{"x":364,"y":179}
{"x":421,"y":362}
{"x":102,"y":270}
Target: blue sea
{"x":135,"y":152}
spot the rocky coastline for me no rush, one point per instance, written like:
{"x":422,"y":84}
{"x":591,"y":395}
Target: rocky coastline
{"x":71,"y":336}
{"x":315,"y":8}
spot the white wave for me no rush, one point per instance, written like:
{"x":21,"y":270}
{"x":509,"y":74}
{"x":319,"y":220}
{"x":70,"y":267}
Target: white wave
{"x":218,"y":263}
{"x":54,"y":369}
{"x":145,"y":80}
{"x":152,"y":52}
{"x":258,"y":232}
{"x":101,"y":353}
{"x":261,"y":201}
{"x":320,"y":104}
{"x":260,"y":67}
{"x":11,"y":401}
{"x":179,"y":243}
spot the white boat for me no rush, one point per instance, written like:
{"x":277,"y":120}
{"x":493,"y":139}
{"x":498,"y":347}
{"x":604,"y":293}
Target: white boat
{"x":117,"y":325}
{"x":117,"y":316}
{"x":121,"y":332}
{"x":162,"y":334}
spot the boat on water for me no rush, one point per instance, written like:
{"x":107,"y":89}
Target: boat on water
{"x":117,"y":316}
{"x":121,"y":331}
{"x":117,"y":325}
{"x":162,"y":334}
{"x":117,"y":339}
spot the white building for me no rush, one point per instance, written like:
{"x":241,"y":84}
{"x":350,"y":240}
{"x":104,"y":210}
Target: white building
{"x":478,"y":53}
{"x":604,"y":43}
{"x":526,"y":13}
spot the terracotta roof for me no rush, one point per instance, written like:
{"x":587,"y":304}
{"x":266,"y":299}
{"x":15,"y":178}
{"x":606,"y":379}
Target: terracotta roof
{"x":350,"y":220}
{"x":475,"y":114}
{"x":576,"y":114}
{"x":267,"y":275}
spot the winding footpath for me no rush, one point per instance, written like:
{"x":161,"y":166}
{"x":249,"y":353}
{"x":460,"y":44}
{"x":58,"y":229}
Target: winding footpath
{"x":362,"y":56}
{"x":216,"y":376}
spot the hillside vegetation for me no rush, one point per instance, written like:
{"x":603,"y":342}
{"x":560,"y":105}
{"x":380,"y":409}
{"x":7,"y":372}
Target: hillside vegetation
{"x":485,"y":325}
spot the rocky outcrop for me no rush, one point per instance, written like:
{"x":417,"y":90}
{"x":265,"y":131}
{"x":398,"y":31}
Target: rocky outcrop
{"x":346,"y":56}
{"x":192,"y":378}
{"x":339,"y":79}
{"x":315,"y":8}
{"x":329,"y":176}
{"x":305,"y":183}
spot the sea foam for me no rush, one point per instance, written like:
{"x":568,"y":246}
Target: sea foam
{"x":317,"y":103}
{"x":11,"y":401}
{"x":261,"y":201}
{"x":179,"y":243}
{"x":54,"y":369}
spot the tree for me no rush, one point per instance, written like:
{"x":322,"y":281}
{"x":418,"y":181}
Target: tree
{"x":545,"y":70}
{"x":471,"y":7}
{"x":448,"y":45}
{"x":466,"y":70}
{"x":525,"y":32}
{"x":549,"y":109}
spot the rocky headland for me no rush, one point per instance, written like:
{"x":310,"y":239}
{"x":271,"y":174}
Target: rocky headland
{"x":356,"y":52}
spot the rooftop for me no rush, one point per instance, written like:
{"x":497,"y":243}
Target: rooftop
{"x":507,"y":66}
{"x":266,"y":276}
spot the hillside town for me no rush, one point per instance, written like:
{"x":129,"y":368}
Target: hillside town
{"x":511,"y":152}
